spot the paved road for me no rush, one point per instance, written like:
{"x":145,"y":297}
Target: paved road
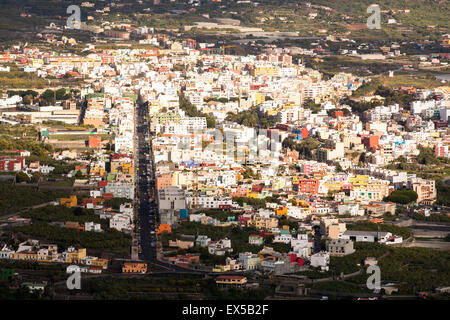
{"x":147,"y":207}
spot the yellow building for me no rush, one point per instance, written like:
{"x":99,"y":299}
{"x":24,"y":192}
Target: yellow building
{"x":25,"y":256}
{"x":278,"y":184}
{"x":254,"y":195}
{"x":281,"y":211}
{"x":97,"y":170}
{"x":262,"y":222}
{"x":69,"y":202}
{"x":75,"y":256}
{"x":333,"y":185}
{"x":266,"y":71}
{"x":222,"y":268}
{"x":260,"y":98}
{"x":100,"y":263}
{"x":375,"y":191}
{"x":359,"y":180}
{"x":233,"y":281}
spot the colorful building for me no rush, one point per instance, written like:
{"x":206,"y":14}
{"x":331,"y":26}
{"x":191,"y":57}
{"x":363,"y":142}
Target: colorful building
{"x":134,"y":267}
{"x":69,"y":202}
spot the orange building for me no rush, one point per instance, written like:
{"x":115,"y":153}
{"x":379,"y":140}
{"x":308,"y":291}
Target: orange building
{"x":69,"y":202}
{"x":371,"y":142}
{"x":134,"y":267}
{"x":95,"y":141}
{"x":164,"y":228}
{"x":73,"y":225}
{"x":163,"y":180}
{"x":281,"y":211}
{"x":306,"y":186}
{"x":337,"y":113}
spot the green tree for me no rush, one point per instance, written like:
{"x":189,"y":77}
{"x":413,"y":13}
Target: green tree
{"x":403,"y":196}
{"x":48,"y":97}
{"x":35,"y":177}
{"x":192,"y":111}
{"x":362,"y":158}
{"x":79,"y":175}
{"x":62,"y":95}
{"x":22,"y":177}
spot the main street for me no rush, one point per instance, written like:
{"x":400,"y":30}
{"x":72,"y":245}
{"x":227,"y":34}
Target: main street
{"x":146,"y":204}
{"x":146,"y":195}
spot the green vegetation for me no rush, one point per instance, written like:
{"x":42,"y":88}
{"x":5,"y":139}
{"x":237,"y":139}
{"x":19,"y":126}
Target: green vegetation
{"x":49,"y":97}
{"x":304,"y":148}
{"x":287,"y":222}
{"x":22,"y":177}
{"x":249,"y":174}
{"x":436,"y":217}
{"x":36,"y":149}
{"x":416,"y":269}
{"x":349,"y":263}
{"x":173,"y":287}
{"x":194,"y":228}
{"x":311,"y":105}
{"x":314,"y":274}
{"x":192,"y":111}
{"x":332,"y":65}
{"x":115,"y":202}
{"x":419,"y":82}
{"x":384,"y":86}
{"x":394,"y":96}
{"x":64,"y":214}
{"x":427,"y":156}
{"x":222,"y":100}
{"x":403,"y":196}
{"x":252,"y":118}
{"x":257,"y":203}
{"x":14,"y":198}
{"x":20,"y":79}
{"x":339,"y":286}
{"x":367,"y":88}
{"x":28,"y":96}
{"x":139,"y":288}
{"x":22,"y":132}
{"x":361,"y":106}
{"x":31,"y":265}
{"x":22,"y":293}
{"x":443,"y":193}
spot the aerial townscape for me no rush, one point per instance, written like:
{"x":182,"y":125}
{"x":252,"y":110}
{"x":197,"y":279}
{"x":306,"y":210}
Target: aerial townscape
{"x":224,"y":149}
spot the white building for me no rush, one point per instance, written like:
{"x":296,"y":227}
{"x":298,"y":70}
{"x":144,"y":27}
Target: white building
{"x":283,"y":238}
{"x":91,"y":226}
{"x":320,"y":260}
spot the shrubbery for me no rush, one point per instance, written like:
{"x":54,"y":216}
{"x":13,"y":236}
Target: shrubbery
{"x":403,"y":196}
